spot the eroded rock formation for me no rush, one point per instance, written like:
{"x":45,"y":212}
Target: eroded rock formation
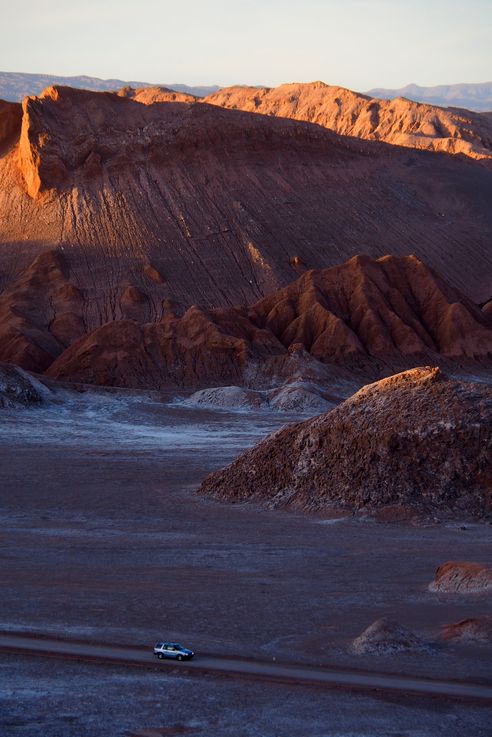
{"x":365,"y":315}
{"x":41,"y":313}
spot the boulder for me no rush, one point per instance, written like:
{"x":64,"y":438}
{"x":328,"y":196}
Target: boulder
{"x":462,"y":577}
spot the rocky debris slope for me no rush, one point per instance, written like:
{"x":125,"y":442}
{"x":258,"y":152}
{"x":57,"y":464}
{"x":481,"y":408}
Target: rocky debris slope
{"x":474,"y":629}
{"x":462,"y":577}
{"x":387,"y":637}
{"x":204,"y":205}
{"x":19,"y":389}
{"x":398,"y":121}
{"x":415,"y":440}
{"x":365,"y":315}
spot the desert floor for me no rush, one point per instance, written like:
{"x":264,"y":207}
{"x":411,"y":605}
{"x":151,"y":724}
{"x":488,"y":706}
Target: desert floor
{"x":104,"y":538}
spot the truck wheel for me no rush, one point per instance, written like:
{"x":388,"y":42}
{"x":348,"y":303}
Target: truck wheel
{"x":160,"y":656}
{"x":180,"y":657}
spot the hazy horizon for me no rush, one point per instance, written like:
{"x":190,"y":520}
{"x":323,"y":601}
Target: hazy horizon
{"x":353,"y":44}
{"x":199,"y":83}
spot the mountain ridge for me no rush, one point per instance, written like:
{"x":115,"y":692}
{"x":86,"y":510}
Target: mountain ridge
{"x":14,"y":86}
{"x":475,"y":96}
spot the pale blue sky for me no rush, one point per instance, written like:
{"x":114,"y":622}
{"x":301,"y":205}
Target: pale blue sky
{"x":355,"y":43}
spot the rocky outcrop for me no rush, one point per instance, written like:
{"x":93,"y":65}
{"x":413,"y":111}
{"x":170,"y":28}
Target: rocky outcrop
{"x":19,"y":389}
{"x":397,"y":121}
{"x":474,"y":629}
{"x":416,"y":439}
{"x":226,"y":205}
{"x":462,"y":577}
{"x":364,"y":315}
{"x":387,"y":637}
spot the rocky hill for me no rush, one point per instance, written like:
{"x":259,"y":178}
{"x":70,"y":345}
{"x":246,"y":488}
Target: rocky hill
{"x":203,"y":205}
{"x":416,"y":441}
{"x":365,"y":315}
{"x":397,"y":121}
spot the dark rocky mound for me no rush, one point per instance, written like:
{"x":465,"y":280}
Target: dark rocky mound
{"x":19,"y":389}
{"x":364,"y":315}
{"x":415,"y":440}
{"x":386,"y":637}
{"x":462,"y":577}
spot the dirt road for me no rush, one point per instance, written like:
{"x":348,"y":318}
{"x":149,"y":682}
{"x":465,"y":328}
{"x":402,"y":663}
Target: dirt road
{"x":241,"y":667}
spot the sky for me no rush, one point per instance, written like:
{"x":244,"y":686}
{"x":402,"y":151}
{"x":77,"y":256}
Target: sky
{"x":358,"y":44}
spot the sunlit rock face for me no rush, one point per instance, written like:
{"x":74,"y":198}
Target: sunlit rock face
{"x":401,"y":122}
{"x":205,"y":205}
{"x":416,"y":440}
{"x":148,"y":218}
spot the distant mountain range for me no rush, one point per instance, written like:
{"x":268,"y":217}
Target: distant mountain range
{"x":470,"y":96}
{"x":15,"y":86}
